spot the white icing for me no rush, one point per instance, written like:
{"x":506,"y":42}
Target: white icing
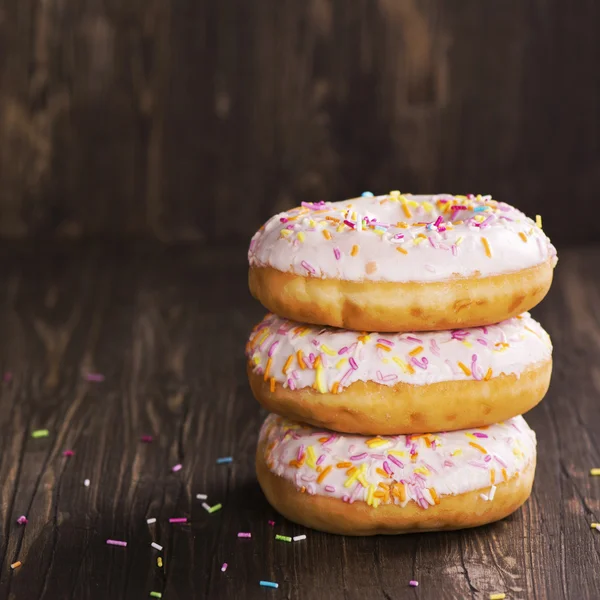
{"x":427,"y":466}
{"x":305,"y":242}
{"x":344,"y":357}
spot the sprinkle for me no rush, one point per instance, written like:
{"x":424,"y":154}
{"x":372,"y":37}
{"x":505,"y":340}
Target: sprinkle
{"x":68,"y":453}
{"x":486,"y":245}
{"x":478,"y":447}
{"x":336,"y":253}
{"x":492,"y":492}
{"x":178,"y":520}
{"x":499,"y":596}
{"x":206,"y":507}
{"x":116,"y":543}
{"x":283,"y":538}
{"x":215,"y":508}
{"x":244,"y":534}
{"x":326,"y":234}
{"x":224,"y":567}
{"x":272,"y":523}
{"x":176,"y":468}
{"x":324,"y":473}
{"x":308,"y":267}
{"x":402,"y":250}
{"x":40,"y":433}
{"x":16,"y":565}
{"x":416,"y":351}
{"x":269,"y":584}
{"x":224,"y":460}
{"x":522,"y":236}
{"x":298,"y":538}
{"x":367,"y":194}
{"x":300,"y":236}
{"x":155,"y":595}
{"x":465,"y":369}
{"x":201,"y":496}
{"x":354,"y":250}
{"x":594,"y":525}
{"x":86,"y":482}
{"x":151,"y":521}
{"x":413,"y":583}
{"x":595,"y":471}
{"x":7,"y":377}
{"x":156,"y":546}
{"x":22,"y":520}
{"x":301,"y":362}
{"x":95,"y":377}
{"x":538,"y":221}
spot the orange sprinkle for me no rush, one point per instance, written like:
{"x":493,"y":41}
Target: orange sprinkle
{"x":301,"y":362}
{"x":413,"y":457}
{"x":410,"y":368}
{"x":322,"y":440}
{"x":422,"y":236}
{"x":288,"y":363}
{"x":464,"y":368}
{"x":332,"y":219}
{"x":266,"y":375}
{"x":522,"y":236}
{"x":326,"y":234}
{"x":383,"y":347}
{"x":343,"y":465}
{"x":379,"y":495}
{"x":504,"y":474}
{"x":302,"y":490}
{"x":434,"y":495}
{"x":406,"y":212}
{"x":493,"y":476}
{"x":296,"y":463}
{"x":317,"y":361}
{"x":402,"y":225}
{"x":488,"y":374}
{"x":398,"y":491}
{"x":335,"y":387}
{"x":486,"y":245}
{"x":478,"y":447}
{"x":364,"y":338}
{"x":351,"y":471}
{"x":402,"y":250}
{"x":416,"y":351}
{"x":324,"y":474}
{"x":272,"y":384}
{"x":384,"y":486}
{"x":381,"y":472}
{"x":354,"y":250}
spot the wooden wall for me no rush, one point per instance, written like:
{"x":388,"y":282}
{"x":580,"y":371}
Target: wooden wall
{"x":197,"y":119}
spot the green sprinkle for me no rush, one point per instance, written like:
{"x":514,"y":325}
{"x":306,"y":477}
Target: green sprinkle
{"x":283,"y":538}
{"x":215,"y":508}
{"x":39,"y":433}
{"x":155,"y":595}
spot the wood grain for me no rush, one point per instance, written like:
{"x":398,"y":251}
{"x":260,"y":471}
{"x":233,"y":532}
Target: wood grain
{"x":196,"y":120}
{"x":167,"y":329}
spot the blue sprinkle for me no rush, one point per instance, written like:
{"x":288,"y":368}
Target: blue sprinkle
{"x":367,"y":194}
{"x":224,"y":460}
{"x":480,"y":208}
{"x":270,"y":584}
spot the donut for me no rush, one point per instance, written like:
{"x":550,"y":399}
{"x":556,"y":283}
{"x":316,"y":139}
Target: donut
{"x":373,"y":383}
{"x":401,"y":262}
{"x":360,"y":485}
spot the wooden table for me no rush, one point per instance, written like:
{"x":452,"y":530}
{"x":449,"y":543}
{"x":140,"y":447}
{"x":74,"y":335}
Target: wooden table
{"x":167,"y":331}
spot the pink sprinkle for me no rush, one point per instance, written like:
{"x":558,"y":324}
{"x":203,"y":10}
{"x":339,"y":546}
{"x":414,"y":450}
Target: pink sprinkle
{"x":116,"y":543}
{"x":273,"y":348}
{"x":385,"y":342}
{"x":291,"y":384}
{"x":22,"y":520}
{"x":349,"y":223}
{"x":413,"y":583}
{"x":178,"y":520}
{"x":176,"y":468}
{"x":414,"y":339}
{"x":435,"y":349}
{"x":343,"y":350}
{"x":395,"y":461}
{"x":422,"y":364}
{"x":7,"y":376}
{"x":386,"y":467}
{"x":308,"y":267}
{"x":454,"y":249}
{"x":433,"y":244}
{"x":353,"y":364}
{"x":147,"y":439}
{"x":499,"y":460}
{"x":482,"y":342}
{"x":244,"y":534}
{"x":479,"y":434}
{"x":283,"y":220}
{"x":330,"y":439}
{"x":224,"y":567}
{"x":336,"y":253}
{"x":487,"y":458}
{"x":320,"y":459}
{"x":329,"y":488}
{"x":272,"y":523}
{"x":359,"y":456}
{"x":300,"y":452}
{"x":97,"y":377}
{"x":68,"y":453}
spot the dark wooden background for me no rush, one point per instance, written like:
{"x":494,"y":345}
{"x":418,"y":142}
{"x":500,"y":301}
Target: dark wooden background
{"x":195,"y":120}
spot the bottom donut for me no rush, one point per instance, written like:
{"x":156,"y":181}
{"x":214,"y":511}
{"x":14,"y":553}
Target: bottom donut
{"x":361,"y":485}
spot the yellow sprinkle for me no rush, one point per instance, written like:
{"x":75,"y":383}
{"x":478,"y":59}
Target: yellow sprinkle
{"x":538,"y":221}
{"x":504,"y":474}
{"x":354,"y":250}
{"x":370,"y":492}
{"x":324,"y":474}
{"x":288,"y":363}
{"x":320,"y":379}
{"x":416,"y":351}
{"x":594,"y":525}
{"x":159,"y":561}
{"x":467,"y":344}
{"x":434,"y":495}
{"x":457,"y":452}
{"x":594,"y":471}
{"x":486,"y":245}
{"x":488,"y":375}
{"x":465,"y":369}
{"x":422,"y":470}
{"x":478,"y":447}
{"x":471,"y":436}
{"x":399,"y":453}
{"x":301,"y":236}
{"x":285,"y":232}
{"x":328,"y":350}
{"x":376,"y":442}
{"x":400,"y":363}
{"x":256,"y":360}
{"x":340,"y":227}
{"x":317,"y":362}
{"x":340,"y":363}
{"x":402,"y":250}
{"x":326,"y":234}
{"x":335,"y":387}
{"x":522,"y":236}
{"x":499,"y":596}
{"x":427,"y":206}
{"x":311,"y":457}
{"x":364,"y":338}
{"x":353,"y":477}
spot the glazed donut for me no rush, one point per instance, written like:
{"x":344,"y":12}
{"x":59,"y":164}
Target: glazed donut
{"x":401,"y":263}
{"x":355,"y":485}
{"x":399,"y":383}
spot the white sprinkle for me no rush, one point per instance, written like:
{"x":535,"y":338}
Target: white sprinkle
{"x":150,"y":521}
{"x":483,"y":497}
{"x":297,"y":538}
{"x":206,"y":507}
{"x":86,"y":483}
{"x":492,"y":492}
{"x":157,"y":546}
{"x":201,"y":496}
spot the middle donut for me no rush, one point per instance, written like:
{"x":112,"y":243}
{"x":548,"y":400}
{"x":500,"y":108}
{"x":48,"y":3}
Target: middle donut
{"x":383,"y":383}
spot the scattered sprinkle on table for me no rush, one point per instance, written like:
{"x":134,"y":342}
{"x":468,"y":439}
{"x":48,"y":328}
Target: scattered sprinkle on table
{"x":244,"y":534}
{"x":178,"y":520}
{"x":68,"y":453}
{"x":201,"y":496}
{"x":224,"y":460}
{"x":272,"y":523}
{"x":151,"y":520}
{"x":40,"y":433}
{"x":95,"y":377}
{"x":595,"y":471}
{"x":22,"y":520}
{"x":147,"y":439}
{"x":499,"y":596}
{"x":215,"y":508}
{"x":206,"y":507}
{"x":157,"y":546}
{"x":224,"y":567}
{"x":269,"y":584}
{"x":176,"y":468}
{"x":7,"y":376}
{"x":298,"y":538}
{"x":155,"y":595}
{"x":159,"y":562}
{"x":283,"y":538}
{"x":116,"y":543}
{"x":16,"y":565}
{"x":413,"y":583}
{"x":86,"y":482}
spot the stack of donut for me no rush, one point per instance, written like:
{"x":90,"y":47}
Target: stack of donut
{"x":397,"y":359}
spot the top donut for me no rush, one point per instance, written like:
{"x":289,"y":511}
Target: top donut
{"x":401,"y":262}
